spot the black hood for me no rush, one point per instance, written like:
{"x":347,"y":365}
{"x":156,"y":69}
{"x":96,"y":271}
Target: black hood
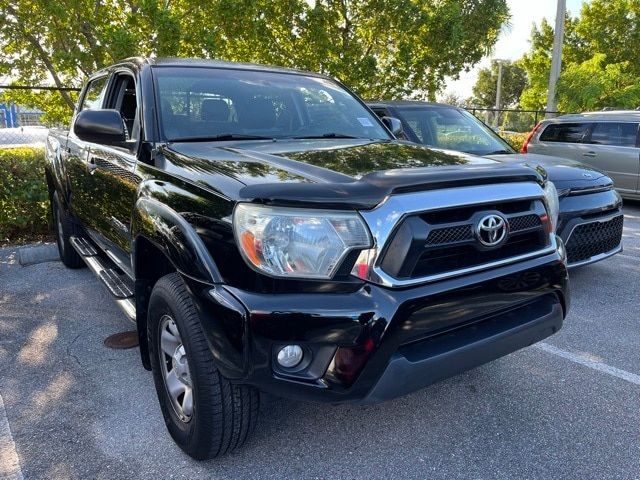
{"x":359,"y":173}
{"x":564,"y":173}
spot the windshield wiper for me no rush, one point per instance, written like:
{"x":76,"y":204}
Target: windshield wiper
{"x":498,"y":152}
{"x":324,"y":135}
{"x":220,"y":138}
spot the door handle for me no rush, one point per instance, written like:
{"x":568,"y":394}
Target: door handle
{"x":91,"y":166}
{"x":589,"y":154}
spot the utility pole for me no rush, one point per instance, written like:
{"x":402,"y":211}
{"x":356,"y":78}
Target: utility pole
{"x":556,"y":59}
{"x":496,"y":117}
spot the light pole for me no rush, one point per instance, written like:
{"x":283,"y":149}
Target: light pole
{"x":556,"y":59}
{"x":496,"y":117}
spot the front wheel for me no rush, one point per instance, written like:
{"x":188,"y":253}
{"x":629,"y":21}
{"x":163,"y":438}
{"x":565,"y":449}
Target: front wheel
{"x":205,"y":414}
{"x":64,"y":229}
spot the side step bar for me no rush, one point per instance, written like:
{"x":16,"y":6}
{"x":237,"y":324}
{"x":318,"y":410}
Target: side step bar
{"x":117,"y":286}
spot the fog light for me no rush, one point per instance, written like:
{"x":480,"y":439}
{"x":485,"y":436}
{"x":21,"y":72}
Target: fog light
{"x":289,"y":356}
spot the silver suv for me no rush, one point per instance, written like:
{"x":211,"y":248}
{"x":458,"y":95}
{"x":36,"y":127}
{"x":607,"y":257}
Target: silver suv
{"x":609,"y":141}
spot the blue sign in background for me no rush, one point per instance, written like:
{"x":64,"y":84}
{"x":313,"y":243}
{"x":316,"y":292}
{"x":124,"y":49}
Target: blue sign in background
{"x":10,"y":115}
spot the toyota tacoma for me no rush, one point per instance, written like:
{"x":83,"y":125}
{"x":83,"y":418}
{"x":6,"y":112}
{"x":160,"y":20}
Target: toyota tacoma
{"x":265,"y":231}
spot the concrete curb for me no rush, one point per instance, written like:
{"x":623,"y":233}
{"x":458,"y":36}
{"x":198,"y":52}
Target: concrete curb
{"x":41,"y":253}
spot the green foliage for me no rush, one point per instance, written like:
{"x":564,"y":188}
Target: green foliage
{"x":514,"y":80}
{"x":24,"y":201}
{"x":516,"y":140}
{"x":601,"y":66}
{"x":594,"y":84}
{"x":380,"y":48}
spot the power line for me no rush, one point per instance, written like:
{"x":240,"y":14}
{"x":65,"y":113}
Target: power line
{"x":29,"y":87}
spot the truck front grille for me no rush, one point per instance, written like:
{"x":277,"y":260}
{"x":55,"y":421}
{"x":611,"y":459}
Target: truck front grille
{"x":426,"y":245}
{"x":595,"y":238}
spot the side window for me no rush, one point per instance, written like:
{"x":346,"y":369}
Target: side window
{"x":565,"y":132}
{"x":94,"y":94}
{"x":123,"y":99}
{"x":615,"y":133}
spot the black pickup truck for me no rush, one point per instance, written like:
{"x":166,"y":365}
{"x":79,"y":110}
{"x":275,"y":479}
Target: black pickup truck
{"x":267,"y":232}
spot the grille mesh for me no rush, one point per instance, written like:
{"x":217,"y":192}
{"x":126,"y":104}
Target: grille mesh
{"x":524,"y":222}
{"x":450,"y":235}
{"x":595,"y":238}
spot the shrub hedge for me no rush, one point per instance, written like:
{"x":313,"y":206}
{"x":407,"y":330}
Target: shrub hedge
{"x":24,"y":201}
{"x":516,"y":140}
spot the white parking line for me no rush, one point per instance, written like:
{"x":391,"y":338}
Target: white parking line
{"x":9,"y":462}
{"x":588,"y":362}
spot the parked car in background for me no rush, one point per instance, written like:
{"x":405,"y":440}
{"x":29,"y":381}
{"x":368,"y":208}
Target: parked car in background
{"x":608,"y":141}
{"x":267,"y":232}
{"x":591,"y":217}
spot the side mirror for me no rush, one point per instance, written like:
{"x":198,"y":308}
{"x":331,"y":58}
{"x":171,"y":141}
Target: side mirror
{"x":394,"y":124}
{"x":105,"y":127}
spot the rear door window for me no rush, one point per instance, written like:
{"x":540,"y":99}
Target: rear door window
{"x":620,"y":134}
{"x":565,"y":132}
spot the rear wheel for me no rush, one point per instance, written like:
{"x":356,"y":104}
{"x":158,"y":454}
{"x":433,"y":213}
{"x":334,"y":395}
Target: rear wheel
{"x":205,"y":414}
{"x":64,"y":229}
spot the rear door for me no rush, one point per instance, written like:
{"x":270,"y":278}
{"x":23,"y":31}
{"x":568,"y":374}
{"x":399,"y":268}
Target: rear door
{"x":562,"y":140}
{"x":612,"y":147}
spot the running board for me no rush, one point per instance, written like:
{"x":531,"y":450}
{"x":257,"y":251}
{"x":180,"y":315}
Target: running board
{"x":83,"y":246}
{"x":121,"y":290}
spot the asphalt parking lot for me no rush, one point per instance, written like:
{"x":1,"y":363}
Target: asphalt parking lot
{"x":566,"y":408}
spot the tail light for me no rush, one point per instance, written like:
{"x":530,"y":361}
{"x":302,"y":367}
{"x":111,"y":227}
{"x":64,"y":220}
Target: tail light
{"x":529,"y":137}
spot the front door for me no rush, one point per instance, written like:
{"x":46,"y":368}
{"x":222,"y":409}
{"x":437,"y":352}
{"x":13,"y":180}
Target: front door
{"x":113,"y":176}
{"x":612,"y":148}
{"x":82,"y":200}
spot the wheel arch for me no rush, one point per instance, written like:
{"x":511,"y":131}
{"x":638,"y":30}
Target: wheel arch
{"x":164,"y":242}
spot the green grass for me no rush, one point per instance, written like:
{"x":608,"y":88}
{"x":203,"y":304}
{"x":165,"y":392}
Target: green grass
{"x":24,"y":201}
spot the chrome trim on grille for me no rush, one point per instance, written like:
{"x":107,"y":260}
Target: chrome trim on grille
{"x":383,"y":219}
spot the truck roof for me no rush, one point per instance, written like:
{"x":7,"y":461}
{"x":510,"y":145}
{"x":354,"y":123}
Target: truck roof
{"x":212,"y":63}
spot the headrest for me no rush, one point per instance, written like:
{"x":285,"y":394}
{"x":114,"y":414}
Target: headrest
{"x":259,"y":114}
{"x":215,"y":110}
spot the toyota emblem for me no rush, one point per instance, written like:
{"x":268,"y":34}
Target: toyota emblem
{"x":492,"y":230}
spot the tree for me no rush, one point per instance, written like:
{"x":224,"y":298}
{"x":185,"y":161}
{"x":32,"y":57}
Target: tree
{"x":454,"y":99}
{"x":597,"y":72}
{"x":380,"y":48}
{"x":595,"y":84}
{"x":514,"y":80}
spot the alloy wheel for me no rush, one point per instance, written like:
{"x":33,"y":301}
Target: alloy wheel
{"x":175,"y":369}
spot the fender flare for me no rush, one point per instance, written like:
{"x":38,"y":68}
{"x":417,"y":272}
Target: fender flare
{"x":175,"y":237}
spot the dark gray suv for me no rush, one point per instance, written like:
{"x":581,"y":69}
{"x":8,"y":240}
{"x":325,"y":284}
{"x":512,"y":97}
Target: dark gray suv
{"x":591,"y":219}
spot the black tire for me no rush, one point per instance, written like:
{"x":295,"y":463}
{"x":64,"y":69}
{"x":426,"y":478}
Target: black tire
{"x":223,"y":414}
{"x":64,"y":228}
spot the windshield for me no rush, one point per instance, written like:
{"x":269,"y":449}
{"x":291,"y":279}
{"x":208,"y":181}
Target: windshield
{"x":234,"y":104}
{"x":452,"y":129}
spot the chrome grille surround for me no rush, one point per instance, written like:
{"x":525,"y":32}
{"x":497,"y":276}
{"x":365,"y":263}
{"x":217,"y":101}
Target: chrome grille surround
{"x":383,"y":220}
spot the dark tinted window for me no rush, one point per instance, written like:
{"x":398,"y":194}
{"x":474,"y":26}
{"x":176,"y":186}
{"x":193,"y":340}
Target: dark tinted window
{"x":95,"y":94}
{"x":565,"y":132}
{"x":615,"y":133}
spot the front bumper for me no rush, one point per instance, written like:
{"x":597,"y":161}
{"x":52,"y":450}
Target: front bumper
{"x":417,"y":335}
{"x":591,"y":226}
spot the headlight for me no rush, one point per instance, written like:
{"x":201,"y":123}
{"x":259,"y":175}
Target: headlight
{"x":297,"y":242}
{"x":553,"y":203}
